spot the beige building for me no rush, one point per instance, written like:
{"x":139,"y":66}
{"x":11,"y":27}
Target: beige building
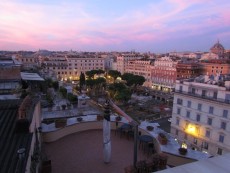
{"x":141,"y":68}
{"x":122,"y":61}
{"x":71,"y":66}
{"x":201,"y":111}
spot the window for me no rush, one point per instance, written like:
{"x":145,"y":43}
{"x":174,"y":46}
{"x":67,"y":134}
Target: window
{"x":178,"y":121}
{"x":219,"y":151}
{"x":189,"y":104}
{"x":211,"y":109}
{"x":198,"y":117}
{"x":203,"y":93}
{"x":215,"y":95}
{"x":221,"y":138}
{"x":195,"y":141}
{"x":181,"y":89}
{"x":199,"y":106}
{"x":225,"y":113}
{"x":193,"y":90}
{"x":223,"y":125}
{"x":205,"y":145}
{"x":178,"y":111}
{"x":185,"y":136}
{"x":207,"y":133}
{"x":188,"y":114}
{"x":177,"y":132}
{"x":209,"y":121}
{"x":179,"y":101}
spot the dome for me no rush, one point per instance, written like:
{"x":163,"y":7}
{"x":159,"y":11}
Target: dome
{"x":217,"y":49}
{"x":217,"y":46}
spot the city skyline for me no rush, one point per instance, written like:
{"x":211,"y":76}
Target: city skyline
{"x":160,"y":26}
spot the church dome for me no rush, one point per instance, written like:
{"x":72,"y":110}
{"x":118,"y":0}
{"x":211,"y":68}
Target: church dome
{"x":217,"y":49}
{"x":218,"y":46}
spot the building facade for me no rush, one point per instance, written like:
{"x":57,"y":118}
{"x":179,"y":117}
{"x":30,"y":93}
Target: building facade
{"x":163,"y":74}
{"x":201,"y":114}
{"x":71,"y":66}
{"x":9,"y":75}
{"x":141,"y":68}
{"x":122,"y":61}
{"x":187,"y":70}
{"x":214,"y":67}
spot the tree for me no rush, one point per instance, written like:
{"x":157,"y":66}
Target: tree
{"x":82,"y":80}
{"x":90,"y":83}
{"x":100,"y":71}
{"x":119,"y":92}
{"x":114,"y":74}
{"x":123,"y":95}
{"x":55,"y":85}
{"x":132,"y":79}
{"x":100,"y":80}
{"x":63,"y":91}
{"x":72,"y":98}
{"x":90,"y":74}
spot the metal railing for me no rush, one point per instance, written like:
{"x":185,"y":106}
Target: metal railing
{"x":203,"y":96}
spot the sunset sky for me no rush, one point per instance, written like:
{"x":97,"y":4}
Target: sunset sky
{"x":114,"y":25}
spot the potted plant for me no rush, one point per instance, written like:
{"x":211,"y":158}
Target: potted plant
{"x":79,"y":119}
{"x":162,"y":139}
{"x":60,"y":123}
{"x":182,"y":151}
{"x":150,"y":128}
{"x":100,"y":117}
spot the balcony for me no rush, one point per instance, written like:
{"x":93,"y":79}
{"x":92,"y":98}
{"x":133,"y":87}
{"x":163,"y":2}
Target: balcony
{"x":203,"y":96}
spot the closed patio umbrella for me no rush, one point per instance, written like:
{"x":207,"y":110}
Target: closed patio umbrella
{"x":106,"y":133}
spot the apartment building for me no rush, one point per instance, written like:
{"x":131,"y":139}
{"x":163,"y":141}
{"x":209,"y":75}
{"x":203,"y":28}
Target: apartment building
{"x":214,"y":67}
{"x":9,"y":75}
{"x":201,"y":113}
{"x":71,"y":66}
{"x":163,"y":74}
{"x":27,"y":59}
{"x":122,"y":61}
{"x":186,"y":70}
{"x":141,"y":68}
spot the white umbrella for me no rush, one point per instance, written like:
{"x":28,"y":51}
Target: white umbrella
{"x":106,"y":134}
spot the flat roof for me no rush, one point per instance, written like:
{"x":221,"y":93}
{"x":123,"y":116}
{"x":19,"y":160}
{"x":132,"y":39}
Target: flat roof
{"x":220,"y":164}
{"x":31,"y":76}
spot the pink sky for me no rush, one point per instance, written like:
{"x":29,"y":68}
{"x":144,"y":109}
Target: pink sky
{"x":156,"y":26}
